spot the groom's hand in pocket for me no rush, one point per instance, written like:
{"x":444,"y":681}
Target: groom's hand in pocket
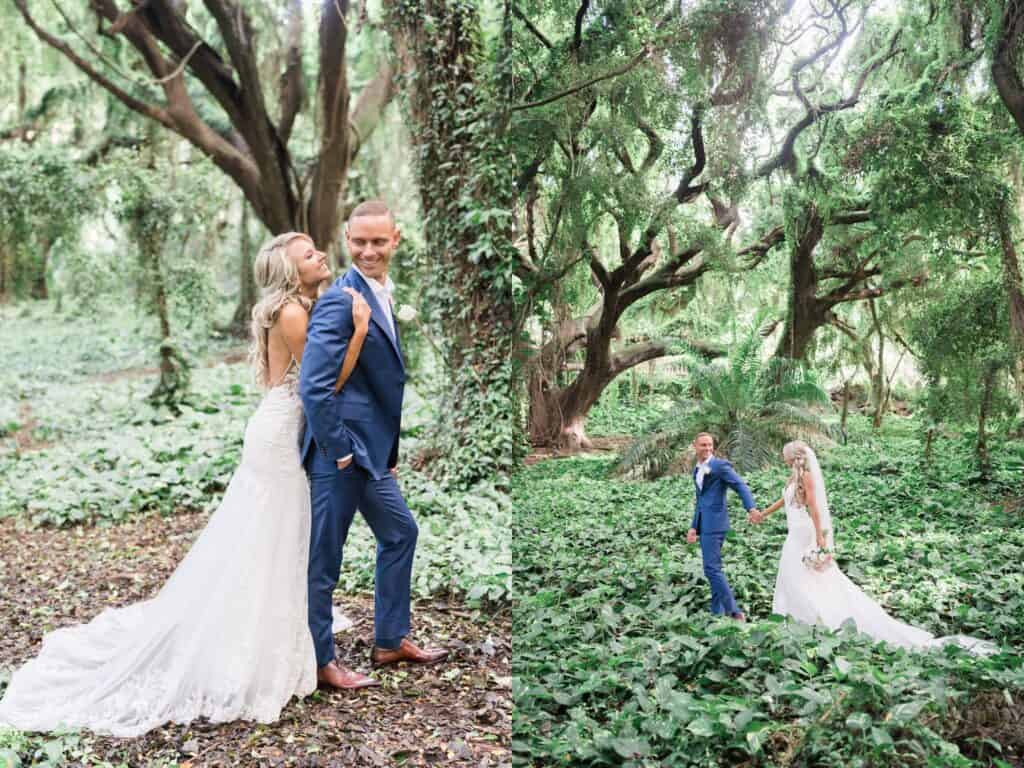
{"x":342,"y":463}
{"x":691,"y":536}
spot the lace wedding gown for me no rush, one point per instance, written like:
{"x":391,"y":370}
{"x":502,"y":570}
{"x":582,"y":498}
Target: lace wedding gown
{"x":828,"y":597}
{"x":226,"y":637}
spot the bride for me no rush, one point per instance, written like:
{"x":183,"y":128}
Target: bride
{"x":810,"y":587}
{"x":227,"y":635}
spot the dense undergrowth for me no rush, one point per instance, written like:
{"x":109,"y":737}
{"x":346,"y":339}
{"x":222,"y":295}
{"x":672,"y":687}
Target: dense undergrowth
{"x":79,"y":444}
{"x":619,"y":663}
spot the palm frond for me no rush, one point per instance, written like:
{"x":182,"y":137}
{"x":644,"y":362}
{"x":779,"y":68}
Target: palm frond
{"x":753,"y":406}
{"x":746,"y":447}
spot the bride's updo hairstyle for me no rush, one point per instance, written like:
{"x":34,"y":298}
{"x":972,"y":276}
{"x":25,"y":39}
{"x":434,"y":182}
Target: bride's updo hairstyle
{"x":278,"y":281}
{"x":796,"y":452}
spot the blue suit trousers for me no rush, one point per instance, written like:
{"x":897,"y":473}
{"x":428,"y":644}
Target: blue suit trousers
{"x":335,"y":496}
{"x":722,"y":599}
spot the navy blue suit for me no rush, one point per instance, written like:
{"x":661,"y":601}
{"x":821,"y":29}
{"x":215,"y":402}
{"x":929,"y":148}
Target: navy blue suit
{"x":363,"y":419}
{"x":711,"y":521}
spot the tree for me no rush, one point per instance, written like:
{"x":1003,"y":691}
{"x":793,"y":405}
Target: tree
{"x":600,"y":149}
{"x":211,"y":92}
{"x":598,"y":115}
{"x":34,"y":184}
{"x":964,"y":341}
{"x":456,"y":105}
{"x":1005,"y":44}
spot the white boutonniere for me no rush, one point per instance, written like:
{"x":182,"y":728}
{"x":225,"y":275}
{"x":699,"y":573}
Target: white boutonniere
{"x":406,"y":313}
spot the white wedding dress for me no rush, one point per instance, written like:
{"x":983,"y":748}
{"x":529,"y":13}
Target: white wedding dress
{"x":828,"y":597}
{"x":226,"y":637}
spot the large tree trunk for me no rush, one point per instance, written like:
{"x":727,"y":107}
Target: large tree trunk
{"x":558,"y":416}
{"x":461,"y":153}
{"x":804,"y":313}
{"x":1005,"y":72}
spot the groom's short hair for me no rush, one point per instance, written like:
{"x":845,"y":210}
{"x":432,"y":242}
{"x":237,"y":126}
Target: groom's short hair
{"x":372,"y":208}
{"x":699,"y":435}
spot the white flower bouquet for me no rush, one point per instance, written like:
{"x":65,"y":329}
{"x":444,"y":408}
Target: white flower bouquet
{"x":406,"y":313}
{"x":818,"y":558}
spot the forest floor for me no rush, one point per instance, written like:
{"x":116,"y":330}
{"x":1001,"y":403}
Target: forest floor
{"x":102,"y":494}
{"x":458,"y":713}
{"x":619,"y":663}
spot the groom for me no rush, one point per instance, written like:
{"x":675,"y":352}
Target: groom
{"x":711,"y":477}
{"x":350,"y":451}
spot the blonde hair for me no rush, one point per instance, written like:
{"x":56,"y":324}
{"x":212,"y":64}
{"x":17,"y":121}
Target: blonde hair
{"x":796,"y":452}
{"x":277,"y":277}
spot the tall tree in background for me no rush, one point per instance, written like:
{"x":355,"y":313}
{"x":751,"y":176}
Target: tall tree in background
{"x":601,"y":93}
{"x":212,"y":93}
{"x":1006,"y":74}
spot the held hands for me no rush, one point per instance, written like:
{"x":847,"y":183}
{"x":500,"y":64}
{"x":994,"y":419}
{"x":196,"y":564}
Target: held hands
{"x":755,"y":516}
{"x":360,"y":310}
{"x":691,"y":536}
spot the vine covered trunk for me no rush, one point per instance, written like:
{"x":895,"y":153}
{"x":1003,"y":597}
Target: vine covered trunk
{"x":465,"y":187}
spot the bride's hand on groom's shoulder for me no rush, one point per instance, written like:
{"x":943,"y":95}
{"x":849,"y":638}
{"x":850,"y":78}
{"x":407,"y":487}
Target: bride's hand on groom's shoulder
{"x":360,"y":309}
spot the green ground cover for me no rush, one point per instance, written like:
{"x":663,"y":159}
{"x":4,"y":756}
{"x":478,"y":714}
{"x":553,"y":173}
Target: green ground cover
{"x":617,"y":661}
{"x":79,"y":444}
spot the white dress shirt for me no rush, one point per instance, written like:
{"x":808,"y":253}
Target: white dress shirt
{"x":702,"y":469}
{"x":382,"y":292}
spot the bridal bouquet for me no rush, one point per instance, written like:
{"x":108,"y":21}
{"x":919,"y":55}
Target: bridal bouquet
{"x":818,"y":559}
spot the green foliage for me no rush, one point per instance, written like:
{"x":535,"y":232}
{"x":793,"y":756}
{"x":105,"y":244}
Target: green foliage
{"x":617,"y":414}
{"x":933,"y":160}
{"x":21,"y":750}
{"x":44,"y":197}
{"x":752,"y":407}
{"x":963,"y":333}
{"x":101,"y":453}
{"x":172,"y":275}
{"x":618,"y":661}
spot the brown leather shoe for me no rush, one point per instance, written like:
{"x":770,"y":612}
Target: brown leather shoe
{"x":740,"y":617}
{"x":407,"y":652}
{"x":333,"y":675}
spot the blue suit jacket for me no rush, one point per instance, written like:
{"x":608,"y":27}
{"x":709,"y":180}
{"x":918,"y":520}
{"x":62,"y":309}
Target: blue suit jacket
{"x":710,"y":514}
{"x":363,"y":419}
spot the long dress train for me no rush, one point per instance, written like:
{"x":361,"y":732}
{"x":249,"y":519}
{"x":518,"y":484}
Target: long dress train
{"x":828,"y":597}
{"x":226,"y":637}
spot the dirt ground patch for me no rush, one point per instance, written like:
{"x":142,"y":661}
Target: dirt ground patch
{"x":604,"y":444}
{"x":456,"y":714}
